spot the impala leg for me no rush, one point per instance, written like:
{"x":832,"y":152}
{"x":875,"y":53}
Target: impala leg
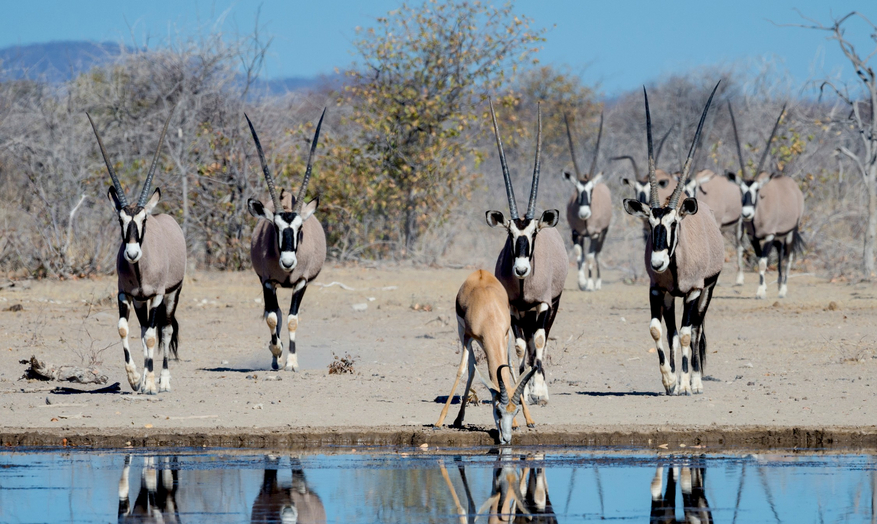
{"x":739,"y":238}
{"x":272,"y":318}
{"x":537,"y":388}
{"x":149,"y":336}
{"x":463,"y":360}
{"x":668,"y":373}
{"x":523,"y":401}
{"x":292,"y":323}
{"x":766,"y":244}
{"x":471,"y":375}
{"x":578,"y":242}
{"x":167,"y":338}
{"x":125,"y":306}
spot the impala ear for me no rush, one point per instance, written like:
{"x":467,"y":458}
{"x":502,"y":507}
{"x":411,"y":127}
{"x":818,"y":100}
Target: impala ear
{"x":688,"y":207}
{"x":257,"y":209}
{"x":636,"y":208}
{"x":549,"y":218}
{"x":111,"y":194}
{"x":309,"y":208}
{"x":153,"y":201}
{"x":494,"y":218}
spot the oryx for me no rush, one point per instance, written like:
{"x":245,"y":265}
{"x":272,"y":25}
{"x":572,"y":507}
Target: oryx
{"x":532,"y":267}
{"x":288,"y":250}
{"x":683,"y":256}
{"x":772,"y":208}
{"x":589,"y":212}
{"x":151,"y":264}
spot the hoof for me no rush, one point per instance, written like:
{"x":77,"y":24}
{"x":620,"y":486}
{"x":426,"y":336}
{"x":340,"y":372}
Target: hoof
{"x":274,"y":365}
{"x":531,"y":426}
{"x":739,"y":281}
{"x":291,"y":363}
{"x":599,"y":284}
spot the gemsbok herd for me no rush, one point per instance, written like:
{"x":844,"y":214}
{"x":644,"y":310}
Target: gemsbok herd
{"x":683,"y":216}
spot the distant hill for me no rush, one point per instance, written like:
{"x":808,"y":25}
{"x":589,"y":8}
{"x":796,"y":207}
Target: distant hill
{"x":61,"y":61}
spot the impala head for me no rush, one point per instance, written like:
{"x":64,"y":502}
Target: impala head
{"x":522,"y":231}
{"x":505,"y":408}
{"x":584,"y":183}
{"x":132,"y":217}
{"x":287,"y":224}
{"x":664,"y":220}
{"x":749,"y":187}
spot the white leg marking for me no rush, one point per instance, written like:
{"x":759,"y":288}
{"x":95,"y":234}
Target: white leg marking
{"x":582,"y":277}
{"x":762,"y":286}
{"x":275,"y":349}
{"x":123,"y":481}
{"x":520,"y":348}
{"x":668,"y":378}
{"x":739,"y":281}
{"x":685,"y":378}
{"x":657,"y":483}
{"x":292,"y":358}
{"x":592,"y":269}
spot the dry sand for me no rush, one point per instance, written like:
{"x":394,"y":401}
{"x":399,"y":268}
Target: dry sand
{"x":791,"y":372}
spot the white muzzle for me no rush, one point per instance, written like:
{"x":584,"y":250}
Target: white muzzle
{"x":748,"y":212}
{"x":584,"y":212}
{"x":660,"y":261}
{"x":288,"y":260}
{"x":521,"y":267}
{"x":133,"y":252}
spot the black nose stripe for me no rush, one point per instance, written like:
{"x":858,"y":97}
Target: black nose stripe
{"x":131,"y":233}
{"x":659,"y":238}
{"x":522,"y":247}
{"x":287,"y":240}
{"x":747,"y":198}
{"x":584,"y":199}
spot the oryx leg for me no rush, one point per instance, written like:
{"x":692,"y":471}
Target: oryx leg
{"x":578,"y":242}
{"x":537,"y":388}
{"x":781,"y":254}
{"x":591,"y":262}
{"x":522,"y":400}
{"x":698,"y":355}
{"x":788,"y":245}
{"x":125,"y":306}
{"x":148,"y":314}
{"x":520,"y":338}
{"x":596,"y":249}
{"x":166,"y":337}
{"x":124,"y":487}
{"x":292,"y":323}
{"x":272,"y":318}
{"x":739,"y":237}
{"x":766,"y":244}
{"x":689,"y":318}
{"x":463,"y":361}
{"x":656,"y":303}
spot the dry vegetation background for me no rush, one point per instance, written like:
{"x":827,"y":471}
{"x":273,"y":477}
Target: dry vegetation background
{"x":407,"y":163}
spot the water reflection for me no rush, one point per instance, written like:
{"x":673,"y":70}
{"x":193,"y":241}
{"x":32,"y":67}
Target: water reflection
{"x":694,"y":503}
{"x":292,"y":501}
{"x":156,"y":499}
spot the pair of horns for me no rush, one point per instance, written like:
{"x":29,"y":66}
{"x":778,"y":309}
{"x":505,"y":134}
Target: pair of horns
{"x":510,"y":192}
{"x":766,"y":147}
{"x":686,"y":168}
{"x":503,"y":392}
{"x":572,"y":149}
{"x":269,"y":179}
{"x":657,"y":154}
{"x":147,"y":185}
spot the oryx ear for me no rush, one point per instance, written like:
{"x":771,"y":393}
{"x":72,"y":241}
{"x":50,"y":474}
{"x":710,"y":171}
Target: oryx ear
{"x":567,"y":175}
{"x":549,"y":218}
{"x":308,"y":210}
{"x":597,"y":179}
{"x":636,"y":208}
{"x":627,"y":182}
{"x":733,"y":177}
{"x":664,"y":182}
{"x":111,"y":194}
{"x":153,"y":201}
{"x":494,"y":218}
{"x":257,"y":209}
{"x":688,"y":207}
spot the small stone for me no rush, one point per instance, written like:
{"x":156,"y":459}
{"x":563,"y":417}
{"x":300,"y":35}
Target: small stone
{"x":360,"y":307}
{"x":832,"y":306}
{"x":147,"y":426}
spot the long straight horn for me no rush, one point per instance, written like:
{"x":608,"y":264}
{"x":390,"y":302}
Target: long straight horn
{"x":509,"y":190}
{"x":593,"y":170}
{"x":522,"y":383}
{"x":120,"y":193}
{"x":147,"y":185}
{"x":632,"y":161}
{"x":503,"y":392}
{"x":686,"y":168}
{"x":299,"y":201}
{"x":572,"y":149}
{"x":769,"y":140}
{"x":268,"y":178}
{"x":653,"y":177}
{"x":737,"y":141}
{"x":534,"y":189}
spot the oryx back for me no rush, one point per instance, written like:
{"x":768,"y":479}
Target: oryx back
{"x":722,"y":196}
{"x":779,"y":208}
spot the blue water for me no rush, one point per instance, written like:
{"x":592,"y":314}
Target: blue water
{"x":445,"y":486}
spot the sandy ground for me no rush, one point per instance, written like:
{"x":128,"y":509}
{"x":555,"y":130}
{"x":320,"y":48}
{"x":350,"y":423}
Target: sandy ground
{"x":773,"y":365}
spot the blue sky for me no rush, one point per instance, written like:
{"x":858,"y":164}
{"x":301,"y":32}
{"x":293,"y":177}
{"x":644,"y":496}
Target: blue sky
{"x":621,"y":44}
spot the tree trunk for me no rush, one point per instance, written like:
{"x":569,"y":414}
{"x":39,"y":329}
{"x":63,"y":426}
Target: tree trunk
{"x":871,"y":230}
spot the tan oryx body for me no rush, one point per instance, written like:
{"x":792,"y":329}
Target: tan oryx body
{"x":150,"y":264}
{"x":483,"y":316}
{"x":589,"y":213}
{"x":684,"y":255}
{"x":288,"y":251}
{"x":772,"y":208}
{"x":723,"y":198}
{"x":532,"y":267}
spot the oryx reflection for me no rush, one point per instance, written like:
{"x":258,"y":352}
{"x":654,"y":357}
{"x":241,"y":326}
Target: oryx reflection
{"x":287,"y":502}
{"x":691,"y":480}
{"x":156,"y":499}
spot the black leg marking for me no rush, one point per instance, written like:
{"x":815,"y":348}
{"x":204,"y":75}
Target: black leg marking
{"x":656,"y":304}
{"x":670,"y":321}
{"x":293,"y":310}
{"x":125,"y":312}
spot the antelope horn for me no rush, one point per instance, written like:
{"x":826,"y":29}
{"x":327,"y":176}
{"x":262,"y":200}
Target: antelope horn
{"x":653,"y":177}
{"x":268,"y":178}
{"x":632,"y":161}
{"x":661,"y":143}
{"x":737,"y":141}
{"x":769,"y":140}
{"x":522,"y":383}
{"x":147,"y":185}
{"x":509,"y":190}
{"x":120,"y":193}
{"x":534,"y":189}
{"x":592,"y":171}
{"x":299,"y":201}
{"x":686,"y":168}
{"x":503,"y":392}
{"x":572,"y":149}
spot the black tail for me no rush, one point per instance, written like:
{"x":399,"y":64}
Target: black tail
{"x":798,"y":244}
{"x":701,"y":350}
{"x":175,"y":337}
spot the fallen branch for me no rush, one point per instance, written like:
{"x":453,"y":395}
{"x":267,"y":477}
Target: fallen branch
{"x":41,"y":371}
{"x":339,"y":284}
